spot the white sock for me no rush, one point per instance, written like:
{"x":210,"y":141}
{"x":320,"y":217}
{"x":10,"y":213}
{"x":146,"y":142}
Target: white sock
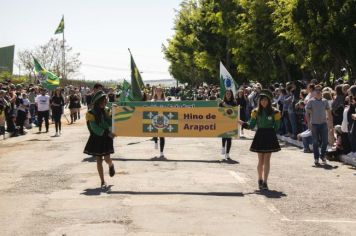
{"x":161,"y":154}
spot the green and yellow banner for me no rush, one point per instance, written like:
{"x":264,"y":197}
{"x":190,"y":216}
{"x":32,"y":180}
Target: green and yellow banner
{"x":175,"y":122}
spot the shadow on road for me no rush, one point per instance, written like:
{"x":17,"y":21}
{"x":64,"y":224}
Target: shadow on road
{"x":326,"y":167}
{"x":163,"y":159}
{"x":245,"y":138}
{"x":160,"y":159}
{"x":269,"y":193}
{"x":133,"y":143}
{"x":96,"y":191}
{"x":218,"y":194}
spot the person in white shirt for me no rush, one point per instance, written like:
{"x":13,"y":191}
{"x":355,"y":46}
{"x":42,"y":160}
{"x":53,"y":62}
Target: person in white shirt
{"x":43,"y":106}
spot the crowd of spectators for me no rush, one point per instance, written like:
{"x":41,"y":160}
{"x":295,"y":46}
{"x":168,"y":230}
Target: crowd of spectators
{"x":329,"y":125}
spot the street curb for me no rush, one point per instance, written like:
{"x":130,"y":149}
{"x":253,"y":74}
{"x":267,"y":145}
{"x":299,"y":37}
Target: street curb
{"x":344,"y":158}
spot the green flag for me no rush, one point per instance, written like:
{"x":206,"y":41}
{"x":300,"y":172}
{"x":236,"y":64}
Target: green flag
{"x":136,"y":82}
{"x":48,"y":80}
{"x":60,"y":27}
{"x":126,"y":94}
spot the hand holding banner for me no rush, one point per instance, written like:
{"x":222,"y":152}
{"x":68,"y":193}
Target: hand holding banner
{"x":175,"y":122}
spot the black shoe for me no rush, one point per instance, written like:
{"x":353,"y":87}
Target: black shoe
{"x":308,"y":151}
{"x":112,"y":170}
{"x":264,"y":186}
{"x":260,"y":184}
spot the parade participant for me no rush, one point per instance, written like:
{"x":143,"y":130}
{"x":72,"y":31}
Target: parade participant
{"x":90,"y":95}
{"x":42,"y":102}
{"x":74,"y":103}
{"x":228,"y":101}
{"x":57,"y":103}
{"x":158,"y":95}
{"x":100,"y":142}
{"x":241,"y":101}
{"x":267,"y":119}
{"x":78,"y":104}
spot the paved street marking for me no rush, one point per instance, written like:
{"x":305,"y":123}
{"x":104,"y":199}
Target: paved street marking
{"x":324,"y":221}
{"x":238,"y":177}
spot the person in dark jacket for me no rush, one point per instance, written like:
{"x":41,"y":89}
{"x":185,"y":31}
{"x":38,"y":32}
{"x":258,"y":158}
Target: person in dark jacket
{"x":57,"y":105}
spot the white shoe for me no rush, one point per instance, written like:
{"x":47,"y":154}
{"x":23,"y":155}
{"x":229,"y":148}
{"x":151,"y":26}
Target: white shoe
{"x":161,"y":155}
{"x":222,"y":151}
{"x":227,"y":157}
{"x":156,"y":145}
{"x":56,"y":135}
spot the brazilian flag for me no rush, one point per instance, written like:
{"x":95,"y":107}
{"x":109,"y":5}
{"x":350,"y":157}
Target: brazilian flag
{"x":48,"y":79}
{"x":60,"y":27}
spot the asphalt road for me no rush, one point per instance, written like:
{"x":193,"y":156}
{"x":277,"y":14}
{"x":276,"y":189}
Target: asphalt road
{"x":49,"y":187}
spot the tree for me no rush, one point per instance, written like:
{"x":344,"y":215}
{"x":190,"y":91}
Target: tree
{"x":263,"y":40}
{"x":50,"y":57}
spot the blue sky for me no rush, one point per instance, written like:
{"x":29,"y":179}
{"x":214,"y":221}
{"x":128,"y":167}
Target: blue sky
{"x":100,"y":30}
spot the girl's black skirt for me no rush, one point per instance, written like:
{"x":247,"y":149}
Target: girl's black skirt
{"x":99,"y":145}
{"x":265,"y":141}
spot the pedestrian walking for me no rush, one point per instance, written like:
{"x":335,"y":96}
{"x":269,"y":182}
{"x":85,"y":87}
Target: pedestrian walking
{"x":57,"y":104}
{"x":228,"y":101}
{"x":267,"y":119}
{"x":317,"y":108}
{"x":42,"y":102}
{"x":100,"y":142}
{"x":158,"y":95}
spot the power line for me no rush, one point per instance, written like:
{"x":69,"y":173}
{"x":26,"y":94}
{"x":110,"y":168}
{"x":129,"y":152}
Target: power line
{"x":124,"y":69}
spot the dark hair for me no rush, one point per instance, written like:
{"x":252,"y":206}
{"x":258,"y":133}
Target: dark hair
{"x":311,"y":87}
{"x":283,"y":91}
{"x":268,"y":109}
{"x":144,"y":97}
{"x":338,"y":90}
{"x":163,"y":97}
{"x":99,"y":112}
{"x":97,"y":86}
{"x":304,"y":93}
{"x":232,"y":96}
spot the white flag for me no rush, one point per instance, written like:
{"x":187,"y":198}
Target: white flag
{"x":226,"y":81}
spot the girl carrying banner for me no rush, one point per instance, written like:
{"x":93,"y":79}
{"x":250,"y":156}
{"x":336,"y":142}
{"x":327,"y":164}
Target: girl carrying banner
{"x":100,"y":142}
{"x":158,"y":95}
{"x":267,"y":120}
{"x":228,"y":101}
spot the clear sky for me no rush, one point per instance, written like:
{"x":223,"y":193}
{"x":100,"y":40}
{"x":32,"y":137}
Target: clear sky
{"x":101,"y":30}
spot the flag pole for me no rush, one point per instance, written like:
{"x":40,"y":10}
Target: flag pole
{"x":64,"y":55}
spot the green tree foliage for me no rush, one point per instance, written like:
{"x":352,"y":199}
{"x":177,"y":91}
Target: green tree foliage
{"x":263,"y":40}
{"x":6,"y":76}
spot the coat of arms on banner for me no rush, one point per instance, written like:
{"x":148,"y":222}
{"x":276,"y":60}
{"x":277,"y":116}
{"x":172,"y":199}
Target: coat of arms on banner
{"x":155,"y":122}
